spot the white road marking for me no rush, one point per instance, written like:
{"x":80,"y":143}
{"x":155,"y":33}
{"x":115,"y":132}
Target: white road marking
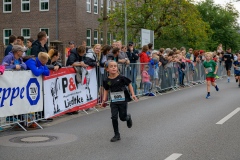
{"x":174,"y":156}
{"x":228,"y":116}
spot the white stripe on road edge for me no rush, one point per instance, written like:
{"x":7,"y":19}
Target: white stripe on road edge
{"x":228,"y":116}
{"x":174,"y":156}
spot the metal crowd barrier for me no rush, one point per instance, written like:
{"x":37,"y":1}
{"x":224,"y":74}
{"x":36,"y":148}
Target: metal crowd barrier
{"x":162,"y":78}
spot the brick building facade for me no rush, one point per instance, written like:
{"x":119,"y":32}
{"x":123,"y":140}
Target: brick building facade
{"x":77,"y":19}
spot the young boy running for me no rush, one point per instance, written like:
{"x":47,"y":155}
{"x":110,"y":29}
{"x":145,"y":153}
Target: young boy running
{"x":211,"y":70}
{"x":236,"y":65}
{"x":116,"y":84}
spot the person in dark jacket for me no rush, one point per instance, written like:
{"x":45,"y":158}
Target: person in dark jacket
{"x":40,"y":45}
{"x":76,"y":57}
{"x":53,"y":60}
{"x":12,"y":41}
{"x":133,"y":56}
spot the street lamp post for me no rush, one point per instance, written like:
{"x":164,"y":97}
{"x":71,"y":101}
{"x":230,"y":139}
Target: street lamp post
{"x":125,"y":22}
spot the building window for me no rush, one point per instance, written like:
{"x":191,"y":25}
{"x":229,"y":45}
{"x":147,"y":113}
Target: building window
{"x":44,"y":5}
{"x":95,"y":37}
{"x":101,"y":5}
{"x":89,"y":37}
{"x":25,"y":32}
{"x":101,"y":38}
{"x":7,"y":6}
{"x":109,"y":38}
{"x":6,"y":34}
{"x":25,"y":5}
{"x":48,"y":34}
{"x":89,"y":6}
{"x":95,"y":6}
{"x":108,"y":5}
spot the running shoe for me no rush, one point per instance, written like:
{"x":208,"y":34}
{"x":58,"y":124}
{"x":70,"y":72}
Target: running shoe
{"x":217,"y":89}
{"x":208,"y":95}
{"x":217,"y":77}
{"x":116,"y":138}
{"x":228,"y":79}
{"x":129,"y":122}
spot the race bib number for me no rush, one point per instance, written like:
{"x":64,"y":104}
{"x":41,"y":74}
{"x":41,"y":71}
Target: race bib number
{"x":238,"y":69}
{"x":117,"y":96}
{"x":209,"y":69}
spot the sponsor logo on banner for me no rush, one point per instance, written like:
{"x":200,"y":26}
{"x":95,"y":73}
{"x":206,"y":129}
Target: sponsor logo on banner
{"x":20,"y":93}
{"x":63,"y":93}
{"x":33,"y":93}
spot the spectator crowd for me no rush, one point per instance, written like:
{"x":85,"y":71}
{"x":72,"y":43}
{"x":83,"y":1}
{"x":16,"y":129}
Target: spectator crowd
{"x":37,"y":57}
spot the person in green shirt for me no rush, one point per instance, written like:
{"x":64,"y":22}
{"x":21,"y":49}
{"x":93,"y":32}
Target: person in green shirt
{"x":211,"y":70}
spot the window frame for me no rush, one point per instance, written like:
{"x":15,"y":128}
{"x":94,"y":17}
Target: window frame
{"x":89,"y":3}
{"x":95,"y":5}
{"x":95,"y":38}
{"x":89,"y":38}
{"x":41,"y":1}
{"x":48,"y":34}
{"x":26,"y":37}
{"x":101,"y":5}
{"x":25,"y":2}
{"x":4,"y":37}
{"x":4,"y":3}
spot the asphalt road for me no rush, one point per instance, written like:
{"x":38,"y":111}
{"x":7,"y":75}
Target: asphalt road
{"x":182,"y":125}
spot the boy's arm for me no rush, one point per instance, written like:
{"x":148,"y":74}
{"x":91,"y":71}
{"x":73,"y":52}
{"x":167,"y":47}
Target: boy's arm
{"x":205,"y":70}
{"x":132,"y":92}
{"x":104,"y":97}
{"x":216,"y":68}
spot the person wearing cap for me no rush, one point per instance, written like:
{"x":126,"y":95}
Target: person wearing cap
{"x":14,"y":59}
{"x":71,"y":45}
{"x":133,"y":56}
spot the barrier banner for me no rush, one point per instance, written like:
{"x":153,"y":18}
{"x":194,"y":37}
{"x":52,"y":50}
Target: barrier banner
{"x":20,"y":93}
{"x":63,"y":93}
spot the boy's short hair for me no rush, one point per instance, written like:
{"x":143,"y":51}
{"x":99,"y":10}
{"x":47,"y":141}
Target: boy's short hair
{"x":115,"y":50}
{"x":20,"y":37}
{"x":30,"y":40}
{"x":150,"y":45}
{"x":210,"y":53}
{"x":146,"y":66}
{"x":41,"y":35}
{"x":81,"y":49}
{"x":12,"y":38}
{"x":43,"y":56}
{"x":154,"y":52}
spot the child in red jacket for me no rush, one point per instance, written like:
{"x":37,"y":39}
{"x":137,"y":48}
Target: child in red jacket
{"x":144,"y":57}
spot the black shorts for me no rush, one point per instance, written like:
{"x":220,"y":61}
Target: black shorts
{"x":228,"y":66}
{"x":236,"y":75}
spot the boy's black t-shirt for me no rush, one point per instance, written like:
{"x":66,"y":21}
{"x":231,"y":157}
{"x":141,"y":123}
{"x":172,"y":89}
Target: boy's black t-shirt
{"x":229,"y":57}
{"x":116,"y":85}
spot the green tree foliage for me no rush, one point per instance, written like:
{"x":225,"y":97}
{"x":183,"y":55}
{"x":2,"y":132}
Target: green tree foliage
{"x":174,"y":21}
{"x":223,"y":22}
